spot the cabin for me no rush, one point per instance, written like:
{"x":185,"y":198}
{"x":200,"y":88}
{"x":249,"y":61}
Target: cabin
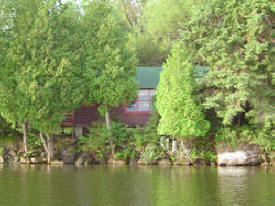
{"x":133,"y":113}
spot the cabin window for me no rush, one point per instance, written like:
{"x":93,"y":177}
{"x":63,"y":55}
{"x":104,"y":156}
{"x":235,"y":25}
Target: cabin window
{"x":143,"y":103}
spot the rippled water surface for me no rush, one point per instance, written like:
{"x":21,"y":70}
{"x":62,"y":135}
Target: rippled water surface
{"x":136,"y":186}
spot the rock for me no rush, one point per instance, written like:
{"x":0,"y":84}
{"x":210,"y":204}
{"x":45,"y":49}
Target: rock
{"x":57,"y":162}
{"x":185,"y":163}
{"x":141,"y":161}
{"x":36,"y":160}
{"x":24,"y":160}
{"x":119,"y":162}
{"x":242,"y":154}
{"x":198,"y":162}
{"x":85,"y":158}
{"x":44,"y":159}
{"x":10,"y":157}
{"x":164,"y":161}
{"x":102,"y":161}
{"x":238,"y":158}
{"x":67,"y":156}
{"x":133,"y":161}
{"x":263,"y":164}
{"x":109,"y":161}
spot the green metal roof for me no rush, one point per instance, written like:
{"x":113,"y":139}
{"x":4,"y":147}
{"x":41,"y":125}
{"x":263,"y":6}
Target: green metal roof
{"x":148,"y":77}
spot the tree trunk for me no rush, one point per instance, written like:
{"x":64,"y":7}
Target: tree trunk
{"x":108,"y":126}
{"x":168,"y":145}
{"x":162,"y":142}
{"x":50,"y":147}
{"x":78,"y":130}
{"x":174,"y":146}
{"x":44,"y":143}
{"x":25,"y":136}
{"x":266,"y":159}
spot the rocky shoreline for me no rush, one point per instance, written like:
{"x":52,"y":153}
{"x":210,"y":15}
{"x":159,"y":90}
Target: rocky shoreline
{"x":242,"y":155}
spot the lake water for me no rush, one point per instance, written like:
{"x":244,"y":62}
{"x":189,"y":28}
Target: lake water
{"x":136,"y":186}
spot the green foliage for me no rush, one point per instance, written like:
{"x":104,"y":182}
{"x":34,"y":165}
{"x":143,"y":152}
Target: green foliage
{"x":234,"y":39}
{"x":264,"y":138}
{"x":39,"y":74}
{"x":128,"y":142}
{"x":138,"y":138}
{"x":247,"y":133}
{"x":151,"y":149}
{"x":147,"y":49}
{"x":6,"y":129}
{"x":97,"y":141}
{"x":181,"y":116}
{"x":151,"y":153}
{"x":111,"y":64}
{"x":34,"y":146}
{"x":165,"y":18}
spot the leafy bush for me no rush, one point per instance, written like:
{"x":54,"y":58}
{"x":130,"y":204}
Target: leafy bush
{"x":97,"y":141}
{"x":152,"y":152}
{"x":248,"y":133}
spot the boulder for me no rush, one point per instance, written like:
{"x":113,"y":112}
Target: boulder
{"x":11,"y":157}
{"x":198,"y":162}
{"x":67,"y":156}
{"x":164,"y":161}
{"x":141,"y":161}
{"x":109,"y":161}
{"x":84,"y":159}
{"x":133,"y":161}
{"x":24,"y":160}
{"x":57,"y":162}
{"x":36,"y":160}
{"x":119,"y":162}
{"x":183,"y":162}
{"x":102,"y":161}
{"x":242,"y":154}
{"x":238,"y":158}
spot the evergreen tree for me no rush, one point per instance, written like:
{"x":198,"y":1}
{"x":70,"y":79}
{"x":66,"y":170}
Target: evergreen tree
{"x":16,"y":20}
{"x":181,"y":116}
{"x":112,"y":65}
{"x":234,"y":39}
{"x":40,"y":76}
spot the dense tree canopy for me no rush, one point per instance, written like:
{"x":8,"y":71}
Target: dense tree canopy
{"x":234,"y":38}
{"x":57,"y":55}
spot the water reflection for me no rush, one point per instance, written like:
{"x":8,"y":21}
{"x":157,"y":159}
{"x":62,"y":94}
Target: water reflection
{"x":243,"y":186}
{"x":135,"y":186}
